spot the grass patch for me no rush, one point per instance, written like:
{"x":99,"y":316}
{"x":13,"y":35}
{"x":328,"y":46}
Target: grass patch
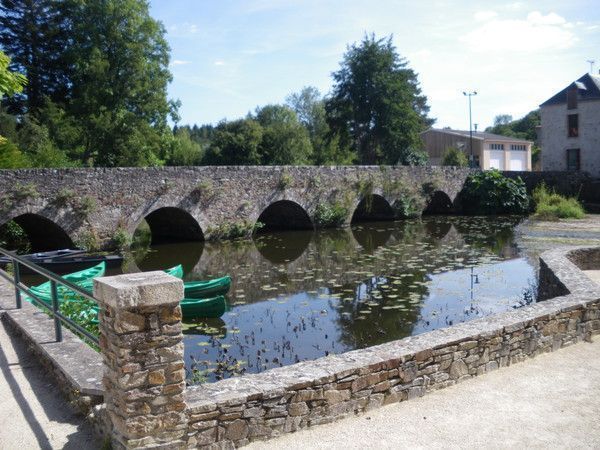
{"x":552,"y":206}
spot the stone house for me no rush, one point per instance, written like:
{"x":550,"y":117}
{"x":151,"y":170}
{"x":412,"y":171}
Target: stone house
{"x":490,"y":151}
{"x":570,"y":131}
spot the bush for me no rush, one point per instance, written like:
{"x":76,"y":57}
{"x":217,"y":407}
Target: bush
{"x":121,"y":240}
{"x":552,"y":206}
{"x":330,"y":215}
{"x":454,"y":157}
{"x":233,"y":230}
{"x":490,"y":192}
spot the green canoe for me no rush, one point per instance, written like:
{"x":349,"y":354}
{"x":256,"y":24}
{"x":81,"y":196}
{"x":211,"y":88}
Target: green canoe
{"x":192,"y":308}
{"x":176,"y":271}
{"x":205,"y":289}
{"x":84,"y":279}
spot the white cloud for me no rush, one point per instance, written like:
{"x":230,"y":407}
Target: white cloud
{"x":183,"y":29}
{"x":219,"y":63}
{"x":537,"y":32}
{"x":481,"y":16}
{"x":179,"y":62}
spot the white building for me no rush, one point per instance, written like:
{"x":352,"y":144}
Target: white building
{"x":570,"y":131}
{"x":490,"y":151}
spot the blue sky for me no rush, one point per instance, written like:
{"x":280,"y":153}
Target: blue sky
{"x":229,"y":56}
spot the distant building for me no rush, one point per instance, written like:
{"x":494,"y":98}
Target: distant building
{"x":570,"y":132}
{"x":490,"y":151}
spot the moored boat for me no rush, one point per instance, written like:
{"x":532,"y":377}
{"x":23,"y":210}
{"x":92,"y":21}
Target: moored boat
{"x":193,"y":308}
{"x":209,"y":288}
{"x":64,"y":261}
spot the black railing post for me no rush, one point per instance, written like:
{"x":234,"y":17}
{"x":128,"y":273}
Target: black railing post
{"x":17,"y":277}
{"x":57,"y":324}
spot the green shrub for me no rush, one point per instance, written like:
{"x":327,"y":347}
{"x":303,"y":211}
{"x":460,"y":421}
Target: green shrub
{"x":88,"y":241}
{"x":329,"y":215}
{"x":86,"y":206}
{"x":490,"y":192}
{"x":233,"y":230}
{"x":121,"y":240}
{"x":14,"y":237}
{"x":25,"y":191}
{"x":552,"y":206}
{"x":454,"y":157}
{"x":64,"y":197}
{"x":285,"y":181}
{"x":365,"y":191}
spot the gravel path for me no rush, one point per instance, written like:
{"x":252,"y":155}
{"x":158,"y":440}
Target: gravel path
{"x":33,"y":414}
{"x":552,"y":401}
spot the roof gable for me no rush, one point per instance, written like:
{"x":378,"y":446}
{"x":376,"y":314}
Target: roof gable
{"x":479,"y":135}
{"x":588,"y":87}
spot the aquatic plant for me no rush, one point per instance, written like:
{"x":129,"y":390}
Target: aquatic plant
{"x":490,"y":192}
{"x":552,"y":206}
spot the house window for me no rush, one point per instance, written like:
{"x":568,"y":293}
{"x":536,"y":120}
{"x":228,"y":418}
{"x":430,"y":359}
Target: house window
{"x":573,"y":159}
{"x":573,"y":125}
{"x":572,"y":98}
{"x":518,"y":147}
{"x":497,"y":146}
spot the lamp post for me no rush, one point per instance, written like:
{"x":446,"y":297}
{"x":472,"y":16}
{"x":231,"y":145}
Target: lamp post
{"x":472,"y":158}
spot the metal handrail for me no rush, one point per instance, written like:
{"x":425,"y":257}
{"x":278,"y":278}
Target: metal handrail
{"x":52,"y":309}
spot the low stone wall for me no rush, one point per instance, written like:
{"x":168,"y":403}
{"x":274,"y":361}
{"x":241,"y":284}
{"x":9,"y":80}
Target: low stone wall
{"x":236,"y":411}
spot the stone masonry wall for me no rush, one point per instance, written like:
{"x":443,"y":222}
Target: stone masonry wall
{"x":233,"y":412}
{"x":96,"y":204}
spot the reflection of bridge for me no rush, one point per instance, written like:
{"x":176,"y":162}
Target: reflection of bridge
{"x":299,"y":261}
{"x":57,"y":207}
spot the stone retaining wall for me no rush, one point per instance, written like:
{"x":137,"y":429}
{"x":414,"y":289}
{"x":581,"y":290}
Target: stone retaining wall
{"x":236,"y":411}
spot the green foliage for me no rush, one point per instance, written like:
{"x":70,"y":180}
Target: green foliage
{"x":25,"y":191}
{"x":235,"y":143}
{"x":285,"y":181}
{"x":552,"y":206}
{"x":329,"y":215}
{"x":11,"y":83}
{"x":454,"y":157}
{"x":377,"y":106}
{"x":81,"y":311}
{"x":285,"y":141}
{"x":185,"y":151}
{"x":309,"y":106}
{"x":14,"y":237}
{"x":10,"y":155}
{"x":234,"y":230}
{"x":490,"y":192}
{"x":121,"y":240}
{"x":65,"y":197}
{"x":205,"y":189}
{"x":523,"y":128}
{"x":86,"y":206}
{"x":88,"y":240}
{"x":103,"y":68}
{"x":365,"y":191}
{"x":410,"y":201}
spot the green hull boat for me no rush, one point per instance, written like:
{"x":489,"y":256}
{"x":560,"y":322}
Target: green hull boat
{"x":193,"y":308}
{"x":205,"y":289}
{"x":84,"y":279}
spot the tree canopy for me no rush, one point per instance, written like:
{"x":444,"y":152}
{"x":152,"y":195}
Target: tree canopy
{"x":377,"y":105}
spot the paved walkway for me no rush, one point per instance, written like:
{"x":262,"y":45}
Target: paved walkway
{"x":33,"y":414}
{"x":552,"y":401}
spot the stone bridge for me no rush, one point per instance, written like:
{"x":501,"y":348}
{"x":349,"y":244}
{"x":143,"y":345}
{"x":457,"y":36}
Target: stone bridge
{"x":101,"y":206}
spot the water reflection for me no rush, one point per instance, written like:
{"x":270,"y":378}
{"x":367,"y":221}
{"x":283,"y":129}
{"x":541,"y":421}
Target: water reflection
{"x":301,"y":295}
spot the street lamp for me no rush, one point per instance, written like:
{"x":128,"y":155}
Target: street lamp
{"x":472,"y":158}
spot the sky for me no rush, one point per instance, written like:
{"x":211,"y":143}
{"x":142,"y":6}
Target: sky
{"x":230,"y":56}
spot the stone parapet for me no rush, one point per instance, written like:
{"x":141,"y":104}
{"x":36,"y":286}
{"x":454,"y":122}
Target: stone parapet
{"x":142,"y":346}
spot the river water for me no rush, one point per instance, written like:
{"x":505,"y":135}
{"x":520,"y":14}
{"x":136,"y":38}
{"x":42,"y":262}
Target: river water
{"x":300,"y":295}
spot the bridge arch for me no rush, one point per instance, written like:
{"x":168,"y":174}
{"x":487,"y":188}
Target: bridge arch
{"x":42,"y":233}
{"x":285,"y":215}
{"x":373,"y":207}
{"x":172,"y":224}
{"x":439,"y":203}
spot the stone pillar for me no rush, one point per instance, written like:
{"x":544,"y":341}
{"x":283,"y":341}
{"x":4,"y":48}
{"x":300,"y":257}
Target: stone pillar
{"x":142,"y":346}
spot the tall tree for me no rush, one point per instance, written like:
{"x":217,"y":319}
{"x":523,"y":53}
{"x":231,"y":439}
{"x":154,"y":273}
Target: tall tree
{"x":120,"y":81}
{"x":285,"y":140}
{"x":235,"y":143}
{"x":34,"y":33}
{"x":309,"y":106}
{"x":377,"y":104}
